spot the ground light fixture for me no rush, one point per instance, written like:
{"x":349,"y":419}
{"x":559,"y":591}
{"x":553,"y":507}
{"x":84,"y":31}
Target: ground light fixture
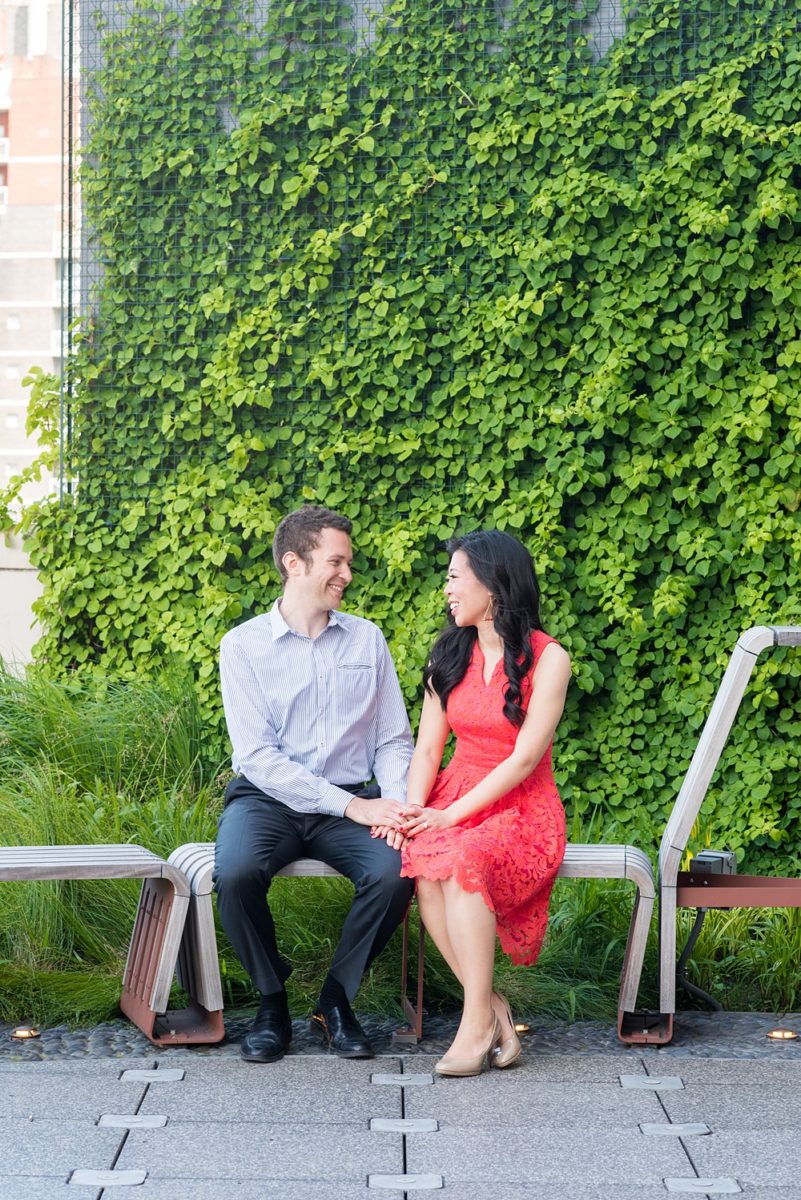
{"x":781,"y":1035}
{"x":522,"y":1027}
{"x":24,"y":1033}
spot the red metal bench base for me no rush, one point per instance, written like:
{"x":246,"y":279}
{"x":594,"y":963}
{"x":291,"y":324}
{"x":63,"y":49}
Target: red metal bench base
{"x":645,"y":1028}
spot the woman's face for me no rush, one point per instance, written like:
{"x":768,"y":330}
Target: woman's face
{"x":468,"y":599}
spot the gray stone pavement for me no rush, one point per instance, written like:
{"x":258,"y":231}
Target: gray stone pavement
{"x":102,"y":1114}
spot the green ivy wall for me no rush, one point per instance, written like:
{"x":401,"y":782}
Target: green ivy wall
{"x":454,"y":267}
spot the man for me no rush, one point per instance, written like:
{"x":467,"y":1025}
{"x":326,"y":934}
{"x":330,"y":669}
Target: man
{"x":314,"y":711}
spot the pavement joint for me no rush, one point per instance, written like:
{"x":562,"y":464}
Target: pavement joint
{"x":404,"y":1125}
{"x":406,"y":1183}
{"x":131,"y":1121}
{"x":719,"y":1186}
{"x":669,"y":1129}
{"x":86,"y":1178}
{"x":652,"y":1083}
{"x":384,"y":1079}
{"x":153,"y":1075}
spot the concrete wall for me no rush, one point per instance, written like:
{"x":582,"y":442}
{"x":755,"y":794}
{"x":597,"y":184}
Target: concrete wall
{"x":19,"y":587}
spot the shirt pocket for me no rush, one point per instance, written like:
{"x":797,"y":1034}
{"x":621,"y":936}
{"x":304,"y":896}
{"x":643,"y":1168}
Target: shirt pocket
{"x":356,"y":688}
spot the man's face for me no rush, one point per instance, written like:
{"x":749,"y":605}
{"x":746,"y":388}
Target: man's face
{"x":328,"y":573}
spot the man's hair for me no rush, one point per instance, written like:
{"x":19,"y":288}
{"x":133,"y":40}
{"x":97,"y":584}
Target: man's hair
{"x":300,"y":531}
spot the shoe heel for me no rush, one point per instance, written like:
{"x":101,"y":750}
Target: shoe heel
{"x":508,"y":1052}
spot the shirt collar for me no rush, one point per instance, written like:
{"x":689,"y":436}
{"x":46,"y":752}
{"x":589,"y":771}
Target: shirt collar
{"x":279,"y":626}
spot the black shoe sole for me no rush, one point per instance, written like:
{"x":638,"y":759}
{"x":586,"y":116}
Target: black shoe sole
{"x":262,"y":1058}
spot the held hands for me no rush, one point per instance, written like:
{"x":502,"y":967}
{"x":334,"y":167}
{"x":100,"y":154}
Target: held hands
{"x":413,"y":820}
{"x":420,"y":819}
{"x":384,"y":813}
{"x":396,"y":823}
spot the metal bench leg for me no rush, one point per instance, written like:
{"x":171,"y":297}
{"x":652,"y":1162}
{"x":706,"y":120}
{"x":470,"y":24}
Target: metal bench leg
{"x":639,"y":1028}
{"x":413,"y":1032}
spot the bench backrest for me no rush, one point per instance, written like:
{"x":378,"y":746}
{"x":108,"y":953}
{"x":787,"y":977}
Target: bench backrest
{"x":713,"y":739}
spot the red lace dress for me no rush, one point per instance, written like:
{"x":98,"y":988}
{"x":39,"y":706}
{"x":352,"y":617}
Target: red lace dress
{"x":510,"y":851}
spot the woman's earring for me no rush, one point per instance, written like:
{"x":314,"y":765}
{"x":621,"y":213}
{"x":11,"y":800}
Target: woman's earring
{"x":489,"y":615}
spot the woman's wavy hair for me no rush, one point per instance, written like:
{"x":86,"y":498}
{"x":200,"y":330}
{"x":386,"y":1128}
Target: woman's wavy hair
{"x":505,"y":568}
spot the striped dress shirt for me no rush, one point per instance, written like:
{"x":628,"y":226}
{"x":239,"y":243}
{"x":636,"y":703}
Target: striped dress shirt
{"x":307,"y":714}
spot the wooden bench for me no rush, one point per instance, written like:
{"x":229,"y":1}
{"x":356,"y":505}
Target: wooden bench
{"x":198,"y":965}
{"x":157,"y":932}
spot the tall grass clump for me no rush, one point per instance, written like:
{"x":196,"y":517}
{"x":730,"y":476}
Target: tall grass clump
{"x":87,"y":760}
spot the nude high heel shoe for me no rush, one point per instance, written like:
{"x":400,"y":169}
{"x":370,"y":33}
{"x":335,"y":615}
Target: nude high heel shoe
{"x":509,"y":1051}
{"x":470,"y":1066}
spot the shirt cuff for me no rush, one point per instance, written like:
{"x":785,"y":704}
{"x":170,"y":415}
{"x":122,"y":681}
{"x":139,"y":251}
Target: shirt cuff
{"x":333,"y":800}
{"x":394,"y":790}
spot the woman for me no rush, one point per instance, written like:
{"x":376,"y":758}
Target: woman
{"x":486,"y":844}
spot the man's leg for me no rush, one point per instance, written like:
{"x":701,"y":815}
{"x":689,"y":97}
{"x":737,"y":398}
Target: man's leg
{"x":379,"y":904}
{"x":256,"y":837}
{"x":381,"y":898}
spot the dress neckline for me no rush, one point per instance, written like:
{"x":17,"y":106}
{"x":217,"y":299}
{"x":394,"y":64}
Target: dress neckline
{"x":481,"y":662}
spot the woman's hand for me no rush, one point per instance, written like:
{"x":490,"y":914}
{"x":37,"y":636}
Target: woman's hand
{"x":427,"y":818}
{"x":392,"y":836}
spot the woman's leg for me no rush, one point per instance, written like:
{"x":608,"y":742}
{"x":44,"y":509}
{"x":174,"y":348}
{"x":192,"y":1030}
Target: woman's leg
{"x":471,"y":929}
{"x":431,"y":903}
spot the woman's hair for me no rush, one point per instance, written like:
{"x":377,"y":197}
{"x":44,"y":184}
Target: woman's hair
{"x":505,"y":568}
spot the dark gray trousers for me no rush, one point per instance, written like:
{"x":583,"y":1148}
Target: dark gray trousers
{"x":256,"y":837}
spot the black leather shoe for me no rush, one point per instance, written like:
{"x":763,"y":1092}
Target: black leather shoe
{"x":340,"y":1030}
{"x":268,"y":1038}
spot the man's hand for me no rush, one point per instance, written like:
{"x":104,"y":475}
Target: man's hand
{"x":375,"y":812}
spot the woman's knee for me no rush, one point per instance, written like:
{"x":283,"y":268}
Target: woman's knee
{"x":428,"y":889}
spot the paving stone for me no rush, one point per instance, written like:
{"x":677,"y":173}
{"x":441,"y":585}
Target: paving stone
{"x":41,"y":1093}
{"x":264,"y":1151}
{"x":553,"y":1190}
{"x":729,"y":1108}
{"x":568,"y":1155}
{"x":773,"y":1193}
{"x":704,"y":1186}
{"x":83,"y":1066}
{"x":562,"y":1068}
{"x":504,"y":1098}
{"x":731,"y":1073}
{"x":137,"y":1121}
{"x":239,"y":1189}
{"x":109,"y":1178}
{"x":668,"y":1129}
{"x":50,"y":1147}
{"x":288,"y":1091}
{"x":407,"y":1183}
{"x":45,"y":1187}
{"x":760,"y":1157}
{"x":652,"y":1083}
